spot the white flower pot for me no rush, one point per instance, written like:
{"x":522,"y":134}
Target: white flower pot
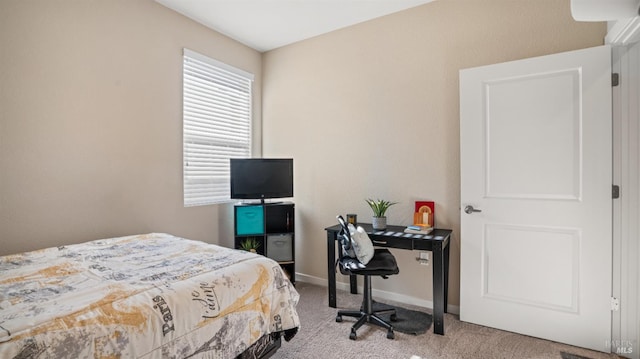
{"x":379,"y":223}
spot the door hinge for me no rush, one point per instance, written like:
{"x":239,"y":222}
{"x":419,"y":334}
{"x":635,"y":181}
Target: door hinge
{"x":615,"y":191}
{"x":615,"y":304}
{"x":615,"y":79}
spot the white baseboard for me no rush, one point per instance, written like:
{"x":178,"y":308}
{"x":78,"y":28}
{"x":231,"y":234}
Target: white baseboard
{"x":396,"y":297}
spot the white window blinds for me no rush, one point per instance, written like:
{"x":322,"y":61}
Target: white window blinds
{"x":216,"y":126}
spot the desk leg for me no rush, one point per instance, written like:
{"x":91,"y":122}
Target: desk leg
{"x":439,"y":285}
{"x":331,"y":269}
{"x":446,"y":277}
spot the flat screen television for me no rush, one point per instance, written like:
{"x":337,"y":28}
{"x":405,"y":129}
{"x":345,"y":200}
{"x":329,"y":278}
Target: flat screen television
{"x":261,"y":178}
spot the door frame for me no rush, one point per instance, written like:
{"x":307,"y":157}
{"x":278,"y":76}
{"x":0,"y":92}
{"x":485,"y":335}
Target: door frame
{"x":625,"y":331}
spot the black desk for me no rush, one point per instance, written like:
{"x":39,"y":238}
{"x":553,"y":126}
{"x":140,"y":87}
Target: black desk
{"x":437,"y":242}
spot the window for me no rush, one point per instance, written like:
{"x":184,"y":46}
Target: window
{"x":216,"y":126}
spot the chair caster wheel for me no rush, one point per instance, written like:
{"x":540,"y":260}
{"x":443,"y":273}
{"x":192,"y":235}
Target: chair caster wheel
{"x":339,"y":318}
{"x":390,"y":335}
{"x":393,"y":317}
{"x":352,"y":336}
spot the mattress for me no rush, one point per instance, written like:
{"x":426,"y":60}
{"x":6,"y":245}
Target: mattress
{"x":143,"y":296}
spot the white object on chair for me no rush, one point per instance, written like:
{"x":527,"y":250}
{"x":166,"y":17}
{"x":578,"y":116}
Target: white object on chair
{"x":362,"y":244}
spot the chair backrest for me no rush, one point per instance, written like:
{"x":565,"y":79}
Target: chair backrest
{"x":384,"y":263}
{"x":346,"y":242}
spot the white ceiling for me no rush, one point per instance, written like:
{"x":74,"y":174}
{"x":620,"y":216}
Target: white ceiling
{"x":268,"y":24}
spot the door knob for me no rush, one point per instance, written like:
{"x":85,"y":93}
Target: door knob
{"x":470,"y":209}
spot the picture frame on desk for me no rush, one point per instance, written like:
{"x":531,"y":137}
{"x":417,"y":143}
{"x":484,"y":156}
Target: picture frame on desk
{"x":424,"y":214}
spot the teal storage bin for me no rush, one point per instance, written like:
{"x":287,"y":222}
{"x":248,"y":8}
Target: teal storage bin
{"x":249,"y":220}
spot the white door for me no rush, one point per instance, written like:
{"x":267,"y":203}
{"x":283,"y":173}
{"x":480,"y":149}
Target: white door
{"x":536,"y":148}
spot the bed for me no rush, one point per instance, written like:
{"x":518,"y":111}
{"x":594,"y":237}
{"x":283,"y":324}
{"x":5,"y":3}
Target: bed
{"x":143,"y":296}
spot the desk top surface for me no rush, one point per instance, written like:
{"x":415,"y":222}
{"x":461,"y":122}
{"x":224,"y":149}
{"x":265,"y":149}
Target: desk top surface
{"x":438,"y":234}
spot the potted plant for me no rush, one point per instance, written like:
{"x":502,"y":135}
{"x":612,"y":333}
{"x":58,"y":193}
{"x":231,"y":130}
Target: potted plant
{"x":379,"y":208}
{"x":250,"y":244}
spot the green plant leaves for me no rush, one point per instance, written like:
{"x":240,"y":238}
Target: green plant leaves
{"x":379,"y":206}
{"x":250,"y":243}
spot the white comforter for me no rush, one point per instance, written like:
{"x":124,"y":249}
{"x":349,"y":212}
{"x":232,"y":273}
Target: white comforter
{"x":145,"y":296}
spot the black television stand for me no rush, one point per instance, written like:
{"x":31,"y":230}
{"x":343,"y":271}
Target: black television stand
{"x":272,"y":226}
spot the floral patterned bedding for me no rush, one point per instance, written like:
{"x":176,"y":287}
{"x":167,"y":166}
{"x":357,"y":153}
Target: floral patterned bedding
{"x":143,"y":296}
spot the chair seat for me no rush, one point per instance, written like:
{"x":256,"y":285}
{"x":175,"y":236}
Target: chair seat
{"x":383,"y":263}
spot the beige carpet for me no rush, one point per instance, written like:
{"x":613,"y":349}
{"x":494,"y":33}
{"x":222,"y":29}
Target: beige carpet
{"x":321,"y":337}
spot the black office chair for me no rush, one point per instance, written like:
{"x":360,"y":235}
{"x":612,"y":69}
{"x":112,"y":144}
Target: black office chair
{"x":382,"y":264}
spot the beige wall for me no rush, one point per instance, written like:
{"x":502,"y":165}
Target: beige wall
{"x":91,"y":120}
{"x":372,"y":111}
